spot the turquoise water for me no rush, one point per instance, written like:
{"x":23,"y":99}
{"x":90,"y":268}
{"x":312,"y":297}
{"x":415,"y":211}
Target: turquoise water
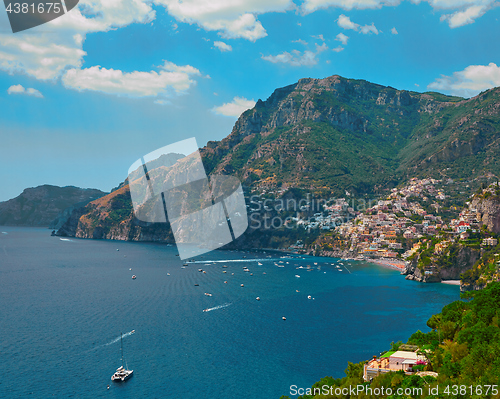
{"x":65,"y":303}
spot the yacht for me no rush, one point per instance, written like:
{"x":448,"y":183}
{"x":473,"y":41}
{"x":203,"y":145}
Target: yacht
{"x":121,"y":373}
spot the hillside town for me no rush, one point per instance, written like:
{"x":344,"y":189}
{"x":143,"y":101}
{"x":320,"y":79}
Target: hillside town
{"x":388,"y":228}
{"x":419,"y":224}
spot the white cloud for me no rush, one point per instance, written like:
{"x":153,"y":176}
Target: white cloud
{"x":465,"y":11}
{"x":470,"y":81}
{"x":346,"y":23}
{"x":234,"y":108}
{"x":56,"y":49}
{"x":170,"y":79}
{"x":313,"y":5}
{"x":369,"y":29}
{"x":163,"y":102}
{"x":297,"y":58}
{"x":394,"y":31}
{"x":37,"y":56}
{"x":223,"y":46}
{"x":320,"y":37}
{"x":453,"y":4}
{"x":338,"y":49}
{"x":233,"y":19}
{"x":19,"y":89}
{"x":465,"y":17}
{"x":300,"y":41}
{"x":46,"y":51}
{"x":342,"y":38}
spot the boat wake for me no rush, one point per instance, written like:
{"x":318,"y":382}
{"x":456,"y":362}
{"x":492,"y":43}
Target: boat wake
{"x":114,"y":341}
{"x":118,"y":338}
{"x":217,"y":307}
{"x":65,"y":239}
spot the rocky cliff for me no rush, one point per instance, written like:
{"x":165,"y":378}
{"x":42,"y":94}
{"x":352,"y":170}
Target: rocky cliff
{"x":45,"y":205}
{"x":111,"y":217}
{"x":487,"y":208}
{"x":460,"y":260}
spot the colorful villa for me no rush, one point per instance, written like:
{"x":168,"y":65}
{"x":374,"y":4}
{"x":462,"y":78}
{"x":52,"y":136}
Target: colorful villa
{"x":392,"y":361}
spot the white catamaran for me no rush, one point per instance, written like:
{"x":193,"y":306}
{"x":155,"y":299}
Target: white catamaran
{"x":121,"y":373}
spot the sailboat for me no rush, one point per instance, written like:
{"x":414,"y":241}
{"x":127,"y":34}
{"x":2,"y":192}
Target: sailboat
{"x":121,"y":373}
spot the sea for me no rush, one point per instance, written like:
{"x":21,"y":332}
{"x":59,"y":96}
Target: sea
{"x":67,"y":305}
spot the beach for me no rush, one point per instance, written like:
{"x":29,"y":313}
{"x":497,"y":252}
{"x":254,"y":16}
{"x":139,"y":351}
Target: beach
{"x":389,"y":262}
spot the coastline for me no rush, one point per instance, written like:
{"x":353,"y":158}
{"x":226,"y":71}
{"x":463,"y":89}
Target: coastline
{"x":451,"y":282}
{"x":390,"y":263}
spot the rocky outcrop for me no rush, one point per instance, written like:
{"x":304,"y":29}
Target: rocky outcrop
{"x":414,"y":273}
{"x":45,"y":206}
{"x":487,"y":208}
{"x":460,"y":261}
{"x":111,"y":217}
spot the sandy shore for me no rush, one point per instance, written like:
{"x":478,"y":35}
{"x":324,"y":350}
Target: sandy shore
{"x":451,"y":282}
{"x":392,"y":263}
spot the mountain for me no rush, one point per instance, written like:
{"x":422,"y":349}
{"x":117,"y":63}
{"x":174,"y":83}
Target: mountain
{"x":45,"y":205}
{"x":339,"y":134}
{"x":326,"y":136}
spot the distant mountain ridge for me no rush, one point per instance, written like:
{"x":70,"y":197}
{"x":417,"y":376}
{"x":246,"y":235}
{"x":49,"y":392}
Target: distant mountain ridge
{"x":330,"y":135}
{"x":44,"y":206}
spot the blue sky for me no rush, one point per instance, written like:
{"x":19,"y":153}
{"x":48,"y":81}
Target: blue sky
{"x":88,"y":93}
